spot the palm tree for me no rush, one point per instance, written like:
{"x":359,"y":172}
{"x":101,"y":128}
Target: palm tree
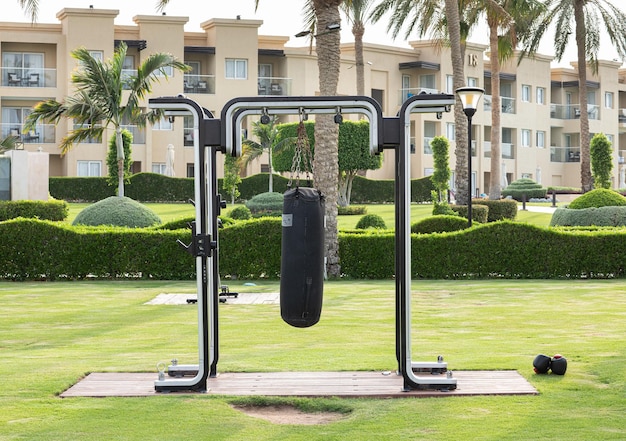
{"x":98,"y":101}
{"x":267,"y":135}
{"x":8,"y":143}
{"x":437,"y":17}
{"x":590,"y":18}
{"x":31,"y":7}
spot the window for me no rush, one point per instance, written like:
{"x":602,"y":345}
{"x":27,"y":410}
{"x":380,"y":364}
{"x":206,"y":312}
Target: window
{"x":97,"y":55}
{"x":428,"y":171}
{"x":430,"y":131}
{"x":164,"y":71}
{"x":89,"y":168}
{"x":608,"y":100}
{"x":541,"y":95}
{"x":541,"y":139}
{"x":236,"y":68}
{"x":472,"y":82}
{"x":525,"y":138}
{"x":158,"y":167}
{"x":449,"y":84}
{"x":428,"y":82}
{"x":163,"y":124}
{"x":525,"y":93}
{"x":450,"y":131}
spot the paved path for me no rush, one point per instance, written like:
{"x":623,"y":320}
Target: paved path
{"x":272,"y":298}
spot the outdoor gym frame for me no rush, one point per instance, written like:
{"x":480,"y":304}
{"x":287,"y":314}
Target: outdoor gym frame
{"x":212,"y":135}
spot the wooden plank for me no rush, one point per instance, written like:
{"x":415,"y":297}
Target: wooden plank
{"x":306,"y":384}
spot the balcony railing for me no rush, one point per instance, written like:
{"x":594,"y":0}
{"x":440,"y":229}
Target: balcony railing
{"x":274,"y":86}
{"x":622,"y":116}
{"x":572,"y":111}
{"x":507,"y":149}
{"x":28,"y":77}
{"x":564,"y":154}
{"x":405,"y":94}
{"x":42,"y":134}
{"x":204,"y":84}
{"x":506,"y":103}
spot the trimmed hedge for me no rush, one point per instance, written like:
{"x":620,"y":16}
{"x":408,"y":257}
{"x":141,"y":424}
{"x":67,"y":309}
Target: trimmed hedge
{"x":32,"y":250}
{"x":371,"y":221}
{"x":498,"y":210}
{"x":46,"y":210}
{"x":439,"y":224}
{"x":524,"y":187}
{"x":118,"y":211}
{"x":480,"y":212}
{"x":600,"y":197}
{"x":601,"y":217}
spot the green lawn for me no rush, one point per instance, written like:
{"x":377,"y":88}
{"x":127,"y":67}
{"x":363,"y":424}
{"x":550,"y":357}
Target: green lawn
{"x":51,"y":334}
{"x":168,"y":212}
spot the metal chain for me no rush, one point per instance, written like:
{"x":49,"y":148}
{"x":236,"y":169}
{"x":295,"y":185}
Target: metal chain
{"x":301,"y":153}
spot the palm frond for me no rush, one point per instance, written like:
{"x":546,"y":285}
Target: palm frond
{"x":31,"y":7}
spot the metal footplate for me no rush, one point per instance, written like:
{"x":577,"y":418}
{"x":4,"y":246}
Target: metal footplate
{"x":426,"y":367}
{"x":182,"y":370}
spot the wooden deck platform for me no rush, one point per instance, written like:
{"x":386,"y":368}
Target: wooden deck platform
{"x":306,"y":384}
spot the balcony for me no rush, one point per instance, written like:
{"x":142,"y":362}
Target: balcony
{"x":203,"y":84}
{"x":405,"y":94}
{"x":274,"y":86}
{"x":506,"y":103}
{"x":564,"y":154}
{"x":43,"y":133}
{"x":28,"y":77}
{"x":507,"y":149}
{"x":572,"y":111}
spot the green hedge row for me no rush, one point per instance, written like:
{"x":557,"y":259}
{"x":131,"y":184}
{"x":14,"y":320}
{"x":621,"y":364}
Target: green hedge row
{"x":33,"y":249}
{"x":601,"y":217}
{"x":46,"y":210}
{"x":152,"y":187}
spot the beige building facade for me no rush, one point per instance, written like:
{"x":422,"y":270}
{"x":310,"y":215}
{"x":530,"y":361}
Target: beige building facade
{"x":228,"y":59}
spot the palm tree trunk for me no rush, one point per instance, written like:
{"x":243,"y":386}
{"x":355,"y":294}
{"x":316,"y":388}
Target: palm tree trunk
{"x":119,"y":144}
{"x":325,"y":163}
{"x":271,"y":180}
{"x":585,"y":157}
{"x":460,"y":120}
{"x":358,"y":29}
{"x":495,"y":179}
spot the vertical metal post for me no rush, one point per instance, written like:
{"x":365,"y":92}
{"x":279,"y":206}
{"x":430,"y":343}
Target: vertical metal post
{"x":469,"y":169}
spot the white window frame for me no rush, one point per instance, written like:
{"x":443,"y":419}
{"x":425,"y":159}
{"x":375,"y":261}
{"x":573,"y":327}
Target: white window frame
{"x":164,"y":71}
{"x":450,"y":84}
{"x":97,"y":55}
{"x":526,"y":90}
{"x":163,"y":124}
{"x":541,"y":95}
{"x":233,"y":68}
{"x":450,"y":131}
{"x":158,"y":167}
{"x":93,"y":168}
{"x":472,"y":82}
{"x":526,"y":133}
{"x":608,"y":100}
{"x":541,"y":139}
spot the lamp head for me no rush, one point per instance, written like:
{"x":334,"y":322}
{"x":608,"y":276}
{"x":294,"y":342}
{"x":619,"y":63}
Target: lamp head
{"x":470,"y":96}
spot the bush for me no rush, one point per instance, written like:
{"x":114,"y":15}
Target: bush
{"x":439,"y":224}
{"x":371,"y":221}
{"x":480,"y":213}
{"x":583,"y":217}
{"x":266,"y":204}
{"x":177,"y":224}
{"x":45,"y":210}
{"x":240,"y":213}
{"x":498,"y":210}
{"x":528,"y":187}
{"x":121,"y":212}
{"x":351,"y":210}
{"x":600,"y":197}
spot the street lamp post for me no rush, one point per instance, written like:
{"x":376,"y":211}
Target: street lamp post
{"x":469,"y":96}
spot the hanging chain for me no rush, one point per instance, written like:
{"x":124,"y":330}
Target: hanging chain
{"x":302,"y":153}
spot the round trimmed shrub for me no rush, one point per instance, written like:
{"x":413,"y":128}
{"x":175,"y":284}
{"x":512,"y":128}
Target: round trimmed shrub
{"x":585,"y":217}
{"x":240,"y":213}
{"x":371,"y":221}
{"x":439,"y":224}
{"x":600,"y":197}
{"x":266,"y":204}
{"x":517,"y":190}
{"x":117,"y":211}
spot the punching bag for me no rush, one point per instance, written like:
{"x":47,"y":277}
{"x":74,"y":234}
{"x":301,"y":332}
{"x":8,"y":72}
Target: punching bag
{"x":302,"y":258}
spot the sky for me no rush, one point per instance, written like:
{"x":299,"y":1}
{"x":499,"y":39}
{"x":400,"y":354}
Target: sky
{"x":280,"y":17}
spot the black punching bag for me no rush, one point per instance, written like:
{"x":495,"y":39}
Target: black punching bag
{"x":302,"y":259}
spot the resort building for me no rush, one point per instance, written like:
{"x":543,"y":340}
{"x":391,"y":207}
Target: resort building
{"x":540,"y":111}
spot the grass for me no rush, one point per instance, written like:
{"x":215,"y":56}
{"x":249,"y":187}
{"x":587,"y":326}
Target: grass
{"x":169,"y":212}
{"x":52,"y":334}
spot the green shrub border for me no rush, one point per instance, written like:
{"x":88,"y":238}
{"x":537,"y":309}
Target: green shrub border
{"x":33,"y":249}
